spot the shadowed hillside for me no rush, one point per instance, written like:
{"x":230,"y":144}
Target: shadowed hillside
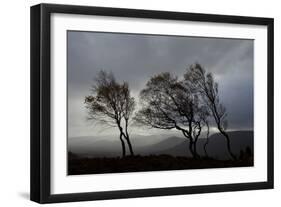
{"x":217,"y":145}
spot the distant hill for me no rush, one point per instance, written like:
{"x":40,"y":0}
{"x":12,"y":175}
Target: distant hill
{"x":149,"y":145}
{"x":216,"y":147}
{"x":156,"y":148}
{"x":106,"y":146}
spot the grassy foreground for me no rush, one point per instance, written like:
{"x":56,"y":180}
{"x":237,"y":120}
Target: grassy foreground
{"x":79,"y":165}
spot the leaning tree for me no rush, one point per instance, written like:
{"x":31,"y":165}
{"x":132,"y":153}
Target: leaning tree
{"x":197,"y":78}
{"x":205,"y":118}
{"x":168,"y":104}
{"x":110,"y":103}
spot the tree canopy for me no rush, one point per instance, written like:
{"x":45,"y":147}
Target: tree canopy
{"x":168,"y":104}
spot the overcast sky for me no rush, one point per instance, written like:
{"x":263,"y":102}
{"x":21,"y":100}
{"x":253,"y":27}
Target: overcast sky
{"x":135,"y":58}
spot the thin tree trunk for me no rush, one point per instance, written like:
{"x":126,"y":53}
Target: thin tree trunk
{"x":190,"y":146}
{"x":120,"y":137}
{"x":207,"y":140}
{"x":197,"y":156}
{"x":218,"y":122}
{"x":195,"y":141}
{"x":123,"y":145}
{"x":192,"y":149}
{"x":129,"y":145}
{"x":227,"y":143}
{"x":127,"y":137}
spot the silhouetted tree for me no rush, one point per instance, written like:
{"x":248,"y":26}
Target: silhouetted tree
{"x":207,"y":138}
{"x":129,"y":107}
{"x":206,"y":123}
{"x":110,"y":103}
{"x":168,"y":104}
{"x":197,"y":78}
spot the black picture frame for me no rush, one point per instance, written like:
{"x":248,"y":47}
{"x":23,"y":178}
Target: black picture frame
{"x":41,"y":97}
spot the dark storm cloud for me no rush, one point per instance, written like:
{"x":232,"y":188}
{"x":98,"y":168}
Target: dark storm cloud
{"x":134,"y":58}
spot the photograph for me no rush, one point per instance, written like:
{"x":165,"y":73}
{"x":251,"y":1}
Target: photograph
{"x":149,"y":102}
{"x":132,"y":103}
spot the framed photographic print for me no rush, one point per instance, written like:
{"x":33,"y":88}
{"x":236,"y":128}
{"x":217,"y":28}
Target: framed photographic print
{"x":132,"y":103}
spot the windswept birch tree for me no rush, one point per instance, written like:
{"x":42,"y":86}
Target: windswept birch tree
{"x":110,"y":103}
